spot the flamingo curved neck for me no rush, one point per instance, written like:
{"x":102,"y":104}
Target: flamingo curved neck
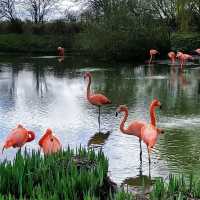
{"x":122,"y":127}
{"x":88,"y":88}
{"x":153,"y":115}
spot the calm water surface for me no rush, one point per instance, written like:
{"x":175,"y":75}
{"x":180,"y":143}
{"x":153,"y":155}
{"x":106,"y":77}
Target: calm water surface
{"x":40,"y":92}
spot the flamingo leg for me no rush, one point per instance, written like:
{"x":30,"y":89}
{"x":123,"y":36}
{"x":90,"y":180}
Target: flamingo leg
{"x":149,"y":154}
{"x":140,"y":150}
{"x":150,"y":59}
{"x":99,"y":119}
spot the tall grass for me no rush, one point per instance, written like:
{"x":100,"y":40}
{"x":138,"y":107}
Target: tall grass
{"x":78,"y":175}
{"x":65,"y":175}
{"x":178,"y":187}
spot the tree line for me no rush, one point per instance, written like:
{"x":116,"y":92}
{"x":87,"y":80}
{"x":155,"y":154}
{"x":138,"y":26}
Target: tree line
{"x":110,"y":27}
{"x":180,"y":15}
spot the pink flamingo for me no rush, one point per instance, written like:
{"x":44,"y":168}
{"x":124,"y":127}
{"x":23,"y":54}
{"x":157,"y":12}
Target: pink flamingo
{"x":49,"y":142}
{"x":95,"y":99}
{"x":61,"y":51}
{"x":18,"y":137}
{"x":198,"y":50}
{"x":135,"y":127}
{"x":183,"y":58}
{"x":152,"y":53}
{"x":172,"y":56}
{"x":149,"y":132}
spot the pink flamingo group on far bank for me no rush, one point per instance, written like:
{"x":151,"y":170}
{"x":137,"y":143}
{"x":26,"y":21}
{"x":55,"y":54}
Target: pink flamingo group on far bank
{"x":182,"y":57}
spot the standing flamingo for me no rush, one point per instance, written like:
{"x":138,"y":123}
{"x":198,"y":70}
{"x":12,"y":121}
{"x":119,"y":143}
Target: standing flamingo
{"x":135,"y":127}
{"x":61,"y":51}
{"x":172,"y":56}
{"x":197,"y":50}
{"x":152,"y":53}
{"x":49,"y":143}
{"x":95,"y":99}
{"x":183,"y":58}
{"x":18,"y":137}
{"x":149,"y":132}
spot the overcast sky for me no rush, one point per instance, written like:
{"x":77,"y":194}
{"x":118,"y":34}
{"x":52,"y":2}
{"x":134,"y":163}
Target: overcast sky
{"x":72,"y":5}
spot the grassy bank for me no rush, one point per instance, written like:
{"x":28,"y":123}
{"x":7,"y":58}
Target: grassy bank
{"x":30,"y":43}
{"x":109,"y":46}
{"x":112,"y":45}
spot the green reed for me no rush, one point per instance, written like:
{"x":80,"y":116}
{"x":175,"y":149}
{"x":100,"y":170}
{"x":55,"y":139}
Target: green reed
{"x":177,"y":188}
{"x":69,"y":174}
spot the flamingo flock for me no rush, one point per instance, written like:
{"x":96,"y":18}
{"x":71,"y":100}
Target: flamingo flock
{"x":146,"y":132}
{"x":182,"y":57}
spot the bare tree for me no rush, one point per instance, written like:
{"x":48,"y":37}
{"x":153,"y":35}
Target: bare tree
{"x":70,"y":15}
{"x":39,"y":9}
{"x":7,"y":9}
{"x":166,"y":10}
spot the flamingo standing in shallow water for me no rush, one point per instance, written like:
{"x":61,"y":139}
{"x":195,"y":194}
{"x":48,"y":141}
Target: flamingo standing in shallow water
{"x":149,"y":132}
{"x":197,"y":50}
{"x":95,"y":99}
{"x":135,"y":127}
{"x":49,"y":142}
{"x":18,"y":137}
{"x":172,"y":56}
{"x":61,"y":51}
{"x":183,"y":58}
{"x":152,"y":53}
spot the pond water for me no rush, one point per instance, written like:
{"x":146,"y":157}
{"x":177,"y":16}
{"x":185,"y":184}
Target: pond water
{"x":41,"y":93}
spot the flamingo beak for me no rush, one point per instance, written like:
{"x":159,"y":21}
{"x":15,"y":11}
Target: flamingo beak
{"x":116,"y":114}
{"x":160,"y":107}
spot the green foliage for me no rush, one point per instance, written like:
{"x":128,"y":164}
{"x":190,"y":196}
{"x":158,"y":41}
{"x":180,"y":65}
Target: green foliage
{"x":31,"y":43}
{"x":178,"y":188}
{"x":185,"y":41}
{"x":183,"y":14}
{"x":122,"y":195}
{"x":65,"y":175}
{"x":123,"y":37}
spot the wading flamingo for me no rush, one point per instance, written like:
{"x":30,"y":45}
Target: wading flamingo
{"x":61,"y":51}
{"x":95,"y":99}
{"x":183,"y":58}
{"x":49,"y":142}
{"x":18,"y":137}
{"x":149,"y":132}
{"x":152,"y":53}
{"x":135,"y":127}
{"x":172,"y":56}
{"x":197,"y":51}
